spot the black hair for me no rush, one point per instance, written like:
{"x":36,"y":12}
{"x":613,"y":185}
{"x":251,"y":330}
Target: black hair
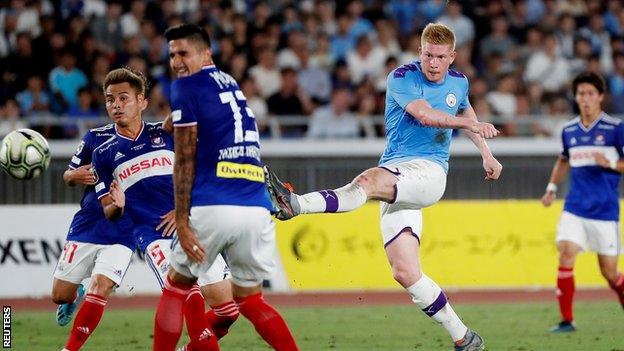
{"x":592,"y":78}
{"x":188,"y":31}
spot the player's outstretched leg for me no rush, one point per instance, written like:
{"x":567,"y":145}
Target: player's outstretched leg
{"x":267,"y":322}
{"x":609,"y":270}
{"x":65,"y":312}
{"x":289,"y":204}
{"x":565,"y":296}
{"x":618,"y":287}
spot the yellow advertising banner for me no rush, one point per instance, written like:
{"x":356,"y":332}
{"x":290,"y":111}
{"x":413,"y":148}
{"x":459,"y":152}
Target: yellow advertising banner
{"x":465,"y":244}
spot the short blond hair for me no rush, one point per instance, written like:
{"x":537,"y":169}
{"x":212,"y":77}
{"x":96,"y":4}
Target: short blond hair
{"x":438,"y":34}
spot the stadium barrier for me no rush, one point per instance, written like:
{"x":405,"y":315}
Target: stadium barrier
{"x":465,"y":245}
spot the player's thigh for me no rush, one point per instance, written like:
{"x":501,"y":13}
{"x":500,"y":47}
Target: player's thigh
{"x":213,"y":226}
{"x":571,"y":235}
{"x":76,"y":261}
{"x":158,"y":255}
{"x":112,"y":262}
{"x":396,"y":218}
{"x":252,"y":255}
{"x":378,"y":183}
{"x":603,"y":236}
{"x":421,"y":183}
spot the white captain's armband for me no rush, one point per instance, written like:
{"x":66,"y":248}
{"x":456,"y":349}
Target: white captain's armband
{"x":176,"y":115}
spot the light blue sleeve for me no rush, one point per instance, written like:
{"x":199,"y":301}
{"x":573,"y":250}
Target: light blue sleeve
{"x":464,"y":103}
{"x":403,"y":87}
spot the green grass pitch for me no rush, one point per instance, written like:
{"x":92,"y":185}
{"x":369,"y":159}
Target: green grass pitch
{"x":518,"y":327}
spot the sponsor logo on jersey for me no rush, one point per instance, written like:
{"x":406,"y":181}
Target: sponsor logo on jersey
{"x":119,"y":155}
{"x":80,"y":147}
{"x":582,"y":156}
{"x":600,"y":140}
{"x":157,"y":141}
{"x":137,"y":147}
{"x":154,"y":163}
{"x":241,"y":171}
{"x":451,"y":100}
{"x":573,"y":141}
{"x":176,"y":115}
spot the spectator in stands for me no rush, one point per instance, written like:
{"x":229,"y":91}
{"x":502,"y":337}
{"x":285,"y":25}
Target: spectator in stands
{"x":498,"y":41}
{"x":290,"y":100}
{"x":387,"y":38}
{"x":289,"y":56}
{"x":322,"y":56}
{"x":410,"y":54}
{"x":314,"y":81}
{"x":600,"y":40}
{"x":365,"y":60}
{"x":107,"y":30}
{"x":503,"y":102}
{"x":34,"y":99}
{"x":548,"y":68}
{"x":66,"y":80}
{"x":266,"y":73}
{"x":20,"y":64}
{"x":131,"y":20}
{"x":566,"y":33}
{"x":381,"y":78}
{"x":615,"y":82}
{"x":462,"y":26}
{"x":10,"y":118}
{"x":342,"y":41}
{"x":334,"y":120}
{"x":341,"y":77}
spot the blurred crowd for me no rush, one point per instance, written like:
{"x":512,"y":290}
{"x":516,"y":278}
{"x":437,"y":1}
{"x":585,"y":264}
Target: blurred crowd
{"x":325,"y":60}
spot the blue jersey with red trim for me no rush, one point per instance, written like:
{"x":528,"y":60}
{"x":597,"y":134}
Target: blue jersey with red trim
{"x":89,"y":224}
{"x":143,"y":167}
{"x":594,"y":190}
{"x":228,"y":169}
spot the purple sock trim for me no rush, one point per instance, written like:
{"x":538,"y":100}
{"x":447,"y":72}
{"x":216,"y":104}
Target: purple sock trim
{"x":399,"y":233}
{"x":437,"y":305}
{"x":331,"y":200}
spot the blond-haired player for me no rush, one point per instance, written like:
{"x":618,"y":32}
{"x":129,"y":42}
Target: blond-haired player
{"x":425,"y":100}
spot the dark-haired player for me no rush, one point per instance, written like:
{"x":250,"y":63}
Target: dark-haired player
{"x":221,"y":202}
{"x":593,"y":146}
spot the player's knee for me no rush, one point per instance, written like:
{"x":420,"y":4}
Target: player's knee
{"x":101,"y":285}
{"x":405,"y":274}
{"x":61,"y":297}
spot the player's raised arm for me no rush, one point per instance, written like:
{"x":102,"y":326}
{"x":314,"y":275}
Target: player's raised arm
{"x":492,"y":167}
{"x":428,"y":116}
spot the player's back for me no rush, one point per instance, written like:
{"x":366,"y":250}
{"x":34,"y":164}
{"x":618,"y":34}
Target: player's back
{"x":228,"y":166}
{"x":89,"y":223}
{"x":407,"y":138}
{"x":593,"y":189}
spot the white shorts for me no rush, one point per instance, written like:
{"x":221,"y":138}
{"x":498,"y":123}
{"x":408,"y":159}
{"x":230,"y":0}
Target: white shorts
{"x":158,"y":256}
{"x":79,"y":261}
{"x":602,"y":237}
{"x":427,"y":182}
{"x":246,"y":235}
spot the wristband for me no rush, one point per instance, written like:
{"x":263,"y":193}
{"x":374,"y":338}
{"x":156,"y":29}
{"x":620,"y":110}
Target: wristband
{"x":551,"y":187}
{"x":613,"y":165}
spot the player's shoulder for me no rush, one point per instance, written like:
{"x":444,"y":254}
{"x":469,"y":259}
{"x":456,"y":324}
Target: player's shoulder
{"x":106,"y":130}
{"x":404,"y":70}
{"x":571,"y":125}
{"x":455,"y":74}
{"x":107,"y":147}
{"x":606,"y":120}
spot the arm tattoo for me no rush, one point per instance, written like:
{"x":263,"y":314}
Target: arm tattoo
{"x":185,"y":140}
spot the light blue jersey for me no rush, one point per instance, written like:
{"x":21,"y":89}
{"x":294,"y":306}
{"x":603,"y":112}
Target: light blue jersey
{"x":407,"y":138}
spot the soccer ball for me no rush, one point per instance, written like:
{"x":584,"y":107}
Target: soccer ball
{"x":24,"y":154}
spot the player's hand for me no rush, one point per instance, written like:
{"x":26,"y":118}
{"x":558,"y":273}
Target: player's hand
{"x":83,"y":175}
{"x":117,"y":194}
{"x":492,"y":167}
{"x":485,"y":130}
{"x":168,"y":222}
{"x":191,"y":246}
{"x":601,"y":160}
{"x":548,"y":198}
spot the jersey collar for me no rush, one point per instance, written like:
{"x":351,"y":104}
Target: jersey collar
{"x":208,"y":67}
{"x":591,"y":126}
{"x":127,"y":138}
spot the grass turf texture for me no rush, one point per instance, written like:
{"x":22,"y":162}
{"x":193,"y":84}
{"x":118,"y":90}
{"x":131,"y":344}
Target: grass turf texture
{"x":521,"y":327}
